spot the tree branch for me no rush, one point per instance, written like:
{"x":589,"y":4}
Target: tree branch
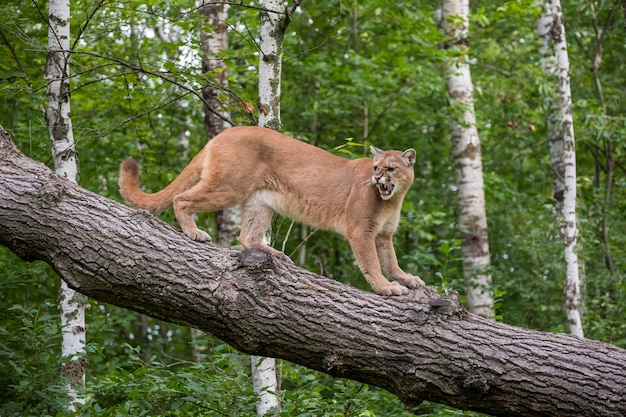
{"x":15,"y":57}
{"x":420,"y":347}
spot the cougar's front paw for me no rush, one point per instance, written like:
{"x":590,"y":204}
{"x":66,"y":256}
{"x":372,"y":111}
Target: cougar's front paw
{"x":410,"y":281}
{"x":393,"y":288}
{"x":199,"y":236}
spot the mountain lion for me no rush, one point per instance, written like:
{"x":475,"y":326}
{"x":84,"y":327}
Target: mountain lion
{"x":267,"y":171}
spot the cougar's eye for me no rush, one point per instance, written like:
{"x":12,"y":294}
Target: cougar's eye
{"x":391,"y":169}
{"x":375,"y":168}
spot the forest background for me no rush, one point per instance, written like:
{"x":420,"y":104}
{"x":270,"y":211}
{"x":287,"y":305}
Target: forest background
{"x":353,"y":74}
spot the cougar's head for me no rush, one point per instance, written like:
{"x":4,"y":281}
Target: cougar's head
{"x":392,"y":171}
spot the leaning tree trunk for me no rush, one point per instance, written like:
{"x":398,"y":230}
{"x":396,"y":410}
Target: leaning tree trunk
{"x":468,"y":161}
{"x":71,"y":303}
{"x":419,"y":347}
{"x":562,"y":153}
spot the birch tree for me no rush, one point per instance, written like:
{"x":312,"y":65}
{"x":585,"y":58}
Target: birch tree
{"x":71,"y":303}
{"x":468,"y":161}
{"x":551,"y":32}
{"x":274,"y":20}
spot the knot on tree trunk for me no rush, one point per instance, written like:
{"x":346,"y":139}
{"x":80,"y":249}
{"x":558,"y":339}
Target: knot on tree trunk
{"x":256,"y":261}
{"x":51,"y":193}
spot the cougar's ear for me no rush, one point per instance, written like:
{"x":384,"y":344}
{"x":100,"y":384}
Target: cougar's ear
{"x":375,"y":150}
{"x":409,"y":155}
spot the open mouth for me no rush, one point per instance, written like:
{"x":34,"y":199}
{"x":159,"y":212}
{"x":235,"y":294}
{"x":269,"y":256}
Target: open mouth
{"x":385,"y":190}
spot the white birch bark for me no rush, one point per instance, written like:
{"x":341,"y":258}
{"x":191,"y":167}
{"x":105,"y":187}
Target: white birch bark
{"x":73,"y":356}
{"x":273,"y":17}
{"x":273,"y":24}
{"x":71,"y":303}
{"x":563,"y":155}
{"x":265,"y":385}
{"x":57,"y":76}
{"x":468,"y":161}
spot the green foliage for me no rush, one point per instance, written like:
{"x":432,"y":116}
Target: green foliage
{"x":218,"y":386}
{"x":308,"y":394}
{"x":30,"y":384}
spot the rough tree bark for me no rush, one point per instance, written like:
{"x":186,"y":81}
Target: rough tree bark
{"x":415,"y":346}
{"x":71,"y":303}
{"x":468,"y":162}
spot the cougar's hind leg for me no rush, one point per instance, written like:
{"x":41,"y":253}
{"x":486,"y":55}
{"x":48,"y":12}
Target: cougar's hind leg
{"x":255,"y":219}
{"x":203,"y":197}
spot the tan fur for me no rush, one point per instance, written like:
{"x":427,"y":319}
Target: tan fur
{"x":267,"y":171}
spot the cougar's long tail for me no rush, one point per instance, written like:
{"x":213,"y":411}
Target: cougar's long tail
{"x":161,"y":200}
